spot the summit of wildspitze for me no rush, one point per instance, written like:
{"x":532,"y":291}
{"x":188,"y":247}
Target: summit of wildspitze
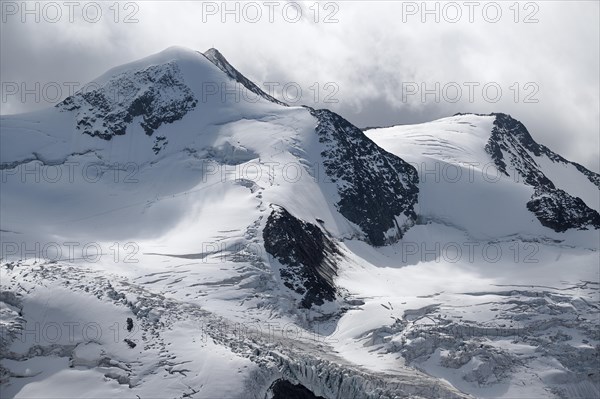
{"x":165,"y":118}
{"x":219,"y":60}
{"x":159,"y":89}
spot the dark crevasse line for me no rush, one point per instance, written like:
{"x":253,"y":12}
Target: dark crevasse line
{"x":283,"y":389}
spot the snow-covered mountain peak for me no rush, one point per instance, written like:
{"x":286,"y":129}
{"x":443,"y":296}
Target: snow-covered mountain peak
{"x":494,"y":157}
{"x":221,"y":62}
{"x":159,"y":90}
{"x":190,"y":147}
{"x":229,"y":247}
{"x":156,"y":95}
{"x":190,"y":61}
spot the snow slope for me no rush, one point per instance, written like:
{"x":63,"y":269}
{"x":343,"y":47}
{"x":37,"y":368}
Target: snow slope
{"x":480,"y":176}
{"x":188,"y":235}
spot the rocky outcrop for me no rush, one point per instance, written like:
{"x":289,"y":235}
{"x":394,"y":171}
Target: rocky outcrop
{"x":560,"y":211}
{"x":220,"y":62}
{"x":378,"y":190}
{"x":157,"y":94}
{"x":512,"y":147}
{"x":307,"y":254}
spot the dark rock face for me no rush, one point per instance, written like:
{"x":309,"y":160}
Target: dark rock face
{"x":511,"y":146}
{"x":283,"y":389}
{"x":307,"y":254}
{"x":560,"y":211}
{"x":375,"y":186}
{"x":219,"y":60}
{"x":157,"y":94}
{"x":160,"y":142}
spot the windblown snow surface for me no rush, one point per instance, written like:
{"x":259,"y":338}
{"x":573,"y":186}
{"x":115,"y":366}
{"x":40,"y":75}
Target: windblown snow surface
{"x":175,"y":232}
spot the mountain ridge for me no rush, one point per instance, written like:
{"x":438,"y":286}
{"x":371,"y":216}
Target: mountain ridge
{"x":224,"y":247}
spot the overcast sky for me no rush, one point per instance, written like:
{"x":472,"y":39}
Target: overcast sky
{"x":373,"y":58}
